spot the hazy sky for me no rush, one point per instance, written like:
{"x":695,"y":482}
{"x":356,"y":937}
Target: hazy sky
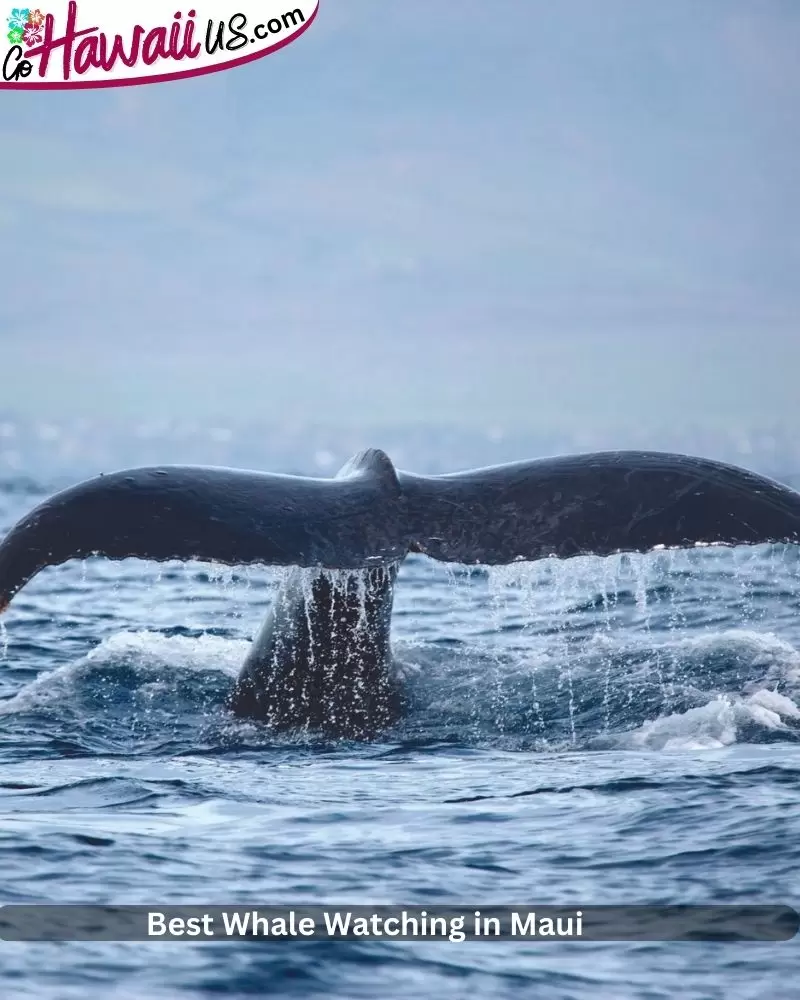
{"x":521,"y":211}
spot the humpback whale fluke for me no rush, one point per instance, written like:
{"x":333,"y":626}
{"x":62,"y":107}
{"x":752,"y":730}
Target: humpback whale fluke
{"x":323,"y":656}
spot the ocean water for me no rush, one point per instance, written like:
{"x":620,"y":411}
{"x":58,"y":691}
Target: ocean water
{"x":595,"y":731}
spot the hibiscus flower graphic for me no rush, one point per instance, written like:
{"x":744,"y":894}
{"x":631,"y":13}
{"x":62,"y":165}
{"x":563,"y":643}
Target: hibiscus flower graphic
{"x":33,"y":34}
{"x":15,"y":36}
{"x":36,"y":18}
{"x":19,"y":18}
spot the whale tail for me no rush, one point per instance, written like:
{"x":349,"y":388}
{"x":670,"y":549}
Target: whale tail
{"x":322,"y":658}
{"x":229,"y":516}
{"x":371,"y":515}
{"x":596,"y":504}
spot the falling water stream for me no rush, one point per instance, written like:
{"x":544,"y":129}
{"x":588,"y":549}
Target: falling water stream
{"x":595,"y":730}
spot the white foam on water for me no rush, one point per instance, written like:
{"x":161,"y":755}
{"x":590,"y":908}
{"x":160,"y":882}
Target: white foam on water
{"x":721,"y":721}
{"x":204,"y":652}
{"x":714,"y":725}
{"x":147,"y":653}
{"x":775,"y":703}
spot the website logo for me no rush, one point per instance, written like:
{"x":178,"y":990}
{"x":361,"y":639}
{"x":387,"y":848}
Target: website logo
{"x":91,"y":43}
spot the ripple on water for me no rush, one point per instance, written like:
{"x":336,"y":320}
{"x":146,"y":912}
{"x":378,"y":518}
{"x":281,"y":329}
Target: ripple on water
{"x":598,"y":731}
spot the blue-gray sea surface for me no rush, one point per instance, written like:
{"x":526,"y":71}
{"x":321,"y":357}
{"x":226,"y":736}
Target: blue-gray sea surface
{"x":620,"y":730}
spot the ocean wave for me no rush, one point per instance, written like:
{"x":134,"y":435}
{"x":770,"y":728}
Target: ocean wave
{"x":140,"y":689}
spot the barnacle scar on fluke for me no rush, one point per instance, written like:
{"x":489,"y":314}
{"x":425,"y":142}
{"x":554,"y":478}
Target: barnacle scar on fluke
{"x":323,"y":656}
